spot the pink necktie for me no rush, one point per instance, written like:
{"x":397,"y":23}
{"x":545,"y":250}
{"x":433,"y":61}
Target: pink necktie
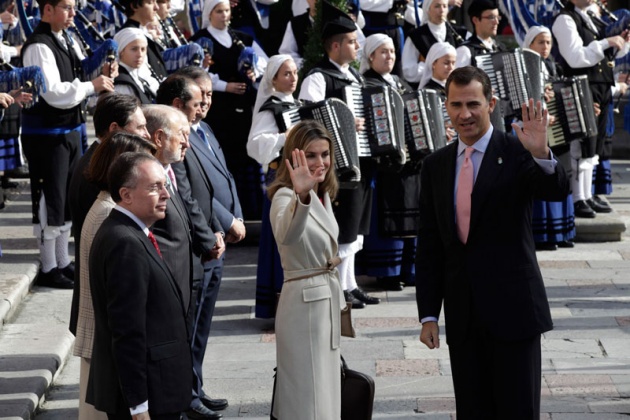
{"x":171,"y":176}
{"x":464,"y":193}
{"x":154,"y":242}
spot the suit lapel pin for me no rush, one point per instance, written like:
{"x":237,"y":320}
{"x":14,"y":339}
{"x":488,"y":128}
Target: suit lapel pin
{"x":500,"y":161}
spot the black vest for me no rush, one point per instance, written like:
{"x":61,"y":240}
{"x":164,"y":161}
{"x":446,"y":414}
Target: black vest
{"x":300,"y":26}
{"x":423,"y":38}
{"x":154,"y":53}
{"x":335,"y":80}
{"x":477,"y":47}
{"x":69,"y":66}
{"x":277,"y":107}
{"x":600,"y":72}
{"x":124,"y":78}
{"x":372,"y":78}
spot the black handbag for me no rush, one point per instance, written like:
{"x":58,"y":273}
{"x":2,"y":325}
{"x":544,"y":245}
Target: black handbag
{"x":357,"y":394}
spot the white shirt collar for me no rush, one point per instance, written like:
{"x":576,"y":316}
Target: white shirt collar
{"x":438,"y":30}
{"x":345,"y":69}
{"x":133,"y":217}
{"x":221,"y":35}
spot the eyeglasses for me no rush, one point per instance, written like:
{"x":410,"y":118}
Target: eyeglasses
{"x":67,"y":8}
{"x":496,"y":18}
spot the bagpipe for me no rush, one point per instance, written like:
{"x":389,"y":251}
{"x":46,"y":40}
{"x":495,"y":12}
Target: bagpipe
{"x":98,"y":50}
{"x":28,"y":79}
{"x":247,"y":60}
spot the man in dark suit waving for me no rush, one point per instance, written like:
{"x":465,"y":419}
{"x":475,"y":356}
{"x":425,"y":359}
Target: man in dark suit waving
{"x":476,"y":252}
{"x":141,"y":364}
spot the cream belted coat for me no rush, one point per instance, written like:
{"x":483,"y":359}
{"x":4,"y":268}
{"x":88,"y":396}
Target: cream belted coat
{"x":308,"y":316}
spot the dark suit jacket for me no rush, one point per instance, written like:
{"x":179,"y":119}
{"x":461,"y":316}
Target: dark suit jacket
{"x":495,"y":276}
{"x":81,"y":195}
{"x":173,"y":236}
{"x":141,"y":350}
{"x":204,"y":167}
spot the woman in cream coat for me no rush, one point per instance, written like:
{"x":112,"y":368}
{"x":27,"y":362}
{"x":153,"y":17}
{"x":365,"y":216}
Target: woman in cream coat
{"x":308,"y":316}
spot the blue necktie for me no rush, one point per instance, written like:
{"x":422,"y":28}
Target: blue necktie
{"x":205,"y":139}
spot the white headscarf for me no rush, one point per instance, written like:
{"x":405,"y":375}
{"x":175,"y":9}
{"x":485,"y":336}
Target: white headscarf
{"x":127,"y":35}
{"x":425,"y":9}
{"x":265,"y":89}
{"x":532,"y":33}
{"x":437,"y":50}
{"x":208,"y":7}
{"x":372,"y":42}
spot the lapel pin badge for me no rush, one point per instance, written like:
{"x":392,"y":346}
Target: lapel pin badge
{"x":500,"y":161}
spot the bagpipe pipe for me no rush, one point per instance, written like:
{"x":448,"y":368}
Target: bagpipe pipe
{"x":26,"y":79}
{"x":247,"y":61}
{"x":180,"y":52}
{"x":98,"y":50}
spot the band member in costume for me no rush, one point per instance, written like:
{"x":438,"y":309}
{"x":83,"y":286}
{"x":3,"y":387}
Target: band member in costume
{"x":296,"y":34}
{"x":266,"y":140}
{"x":485,"y":18}
{"x":233,"y":100}
{"x":553,"y":221}
{"x":140,"y":14}
{"x":435,"y":29}
{"x":389,"y":255}
{"x":51,"y":134}
{"x":584,"y":49}
{"x":132,"y":47}
{"x":352,"y":206}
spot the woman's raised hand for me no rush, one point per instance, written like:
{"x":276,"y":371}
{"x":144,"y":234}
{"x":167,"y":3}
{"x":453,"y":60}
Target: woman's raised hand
{"x":301,"y":177}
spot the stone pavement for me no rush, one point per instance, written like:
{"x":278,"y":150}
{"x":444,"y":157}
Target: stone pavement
{"x":586,"y":358}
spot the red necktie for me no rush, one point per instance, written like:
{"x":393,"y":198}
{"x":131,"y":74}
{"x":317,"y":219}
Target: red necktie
{"x":154,"y":242}
{"x":464,"y":193}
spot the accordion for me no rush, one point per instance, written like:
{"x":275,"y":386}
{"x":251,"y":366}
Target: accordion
{"x":335,"y":115}
{"x":515,"y":77}
{"x":574,"y":111}
{"x":382,"y":109}
{"x":424,"y":122}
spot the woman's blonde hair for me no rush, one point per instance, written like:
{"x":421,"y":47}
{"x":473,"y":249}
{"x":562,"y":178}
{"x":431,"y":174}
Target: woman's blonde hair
{"x":300,"y":137}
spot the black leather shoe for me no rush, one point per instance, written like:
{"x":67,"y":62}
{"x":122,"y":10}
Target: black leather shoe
{"x":364,"y":297}
{"x":566,"y":244}
{"x":202,"y":412}
{"x":356,"y":303}
{"x":54,"y":278}
{"x":7,"y":185}
{"x":546,"y":246}
{"x":582,"y":209}
{"x":599,"y":205}
{"x":68,"y":271}
{"x":390,"y":283}
{"x":216,"y":404}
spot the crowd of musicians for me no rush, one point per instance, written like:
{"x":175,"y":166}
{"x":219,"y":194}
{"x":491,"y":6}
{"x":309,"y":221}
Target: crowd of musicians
{"x":212,"y":90}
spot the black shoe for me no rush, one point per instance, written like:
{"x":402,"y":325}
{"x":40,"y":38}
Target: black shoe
{"x":599,"y":205}
{"x":202,"y":412}
{"x":364,"y":297}
{"x":7,"y":185}
{"x":68,"y":271}
{"x":216,"y":404}
{"x":390,"y":283}
{"x":54,"y":278}
{"x":356,"y":303}
{"x":566,"y":244}
{"x":546,"y":246}
{"x":582,"y":209}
